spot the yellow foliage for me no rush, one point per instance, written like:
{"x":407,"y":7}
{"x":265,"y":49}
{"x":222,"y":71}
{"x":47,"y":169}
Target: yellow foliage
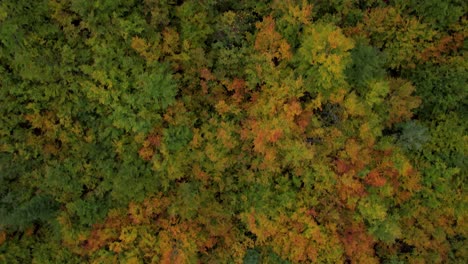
{"x":150,"y":53}
{"x":401,"y":101}
{"x":171,"y":42}
{"x":133,"y":260}
{"x":139,"y":45}
{"x":270,"y":42}
{"x":353,"y":106}
{"x":365,"y":133}
{"x":295,"y":13}
{"x":128,"y":235}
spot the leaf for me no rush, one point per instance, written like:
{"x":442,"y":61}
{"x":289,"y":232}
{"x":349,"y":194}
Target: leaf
{"x":375,"y":179}
{"x":270,"y":42}
{"x":401,"y":102}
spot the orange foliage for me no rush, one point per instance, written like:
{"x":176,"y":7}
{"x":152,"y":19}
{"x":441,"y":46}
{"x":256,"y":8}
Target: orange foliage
{"x":260,"y":141}
{"x":3,"y":237}
{"x":275,"y":135}
{"x":100,"y":236}
{"x":206,"y":74}
{"x":349,"y":188}
{"x":154,"y":140}
{"x":160,"y":236}
{"x":199,"y":173}
{"x":146,"y":153}
{"x":375,"y":179}
{"x":205,"y":77}
{"x":445,"y":45}
{"x":358,"y":244}
{"x":303,"y":120}
{"x":297,"y":236}
{"x":292,"y":110}
{"x":238,"y":86}
{"x":341,"y":166}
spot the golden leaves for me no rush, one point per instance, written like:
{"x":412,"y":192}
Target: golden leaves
{"x":296,"y":237}
{"x":128,"y":235}
{"x":334,"y":39}
{"x":294,"y":12}
{"x":402,"y":37}
{"x":401,"y":102}
{"x":222,"y":107}
{"x":292,"y":109}
{"x":45,"y":122}
{"x":135,"y":212}
{"x":196,"y":139}
{"x":366,"y":134}
{"x":270,"y":42}
{"x":224,"y":134}
{"x":353,"y":106}
{"x":338,"y":96}
{"x":326,"y":50}
{"x":171,"y":42}
{"x":348,"y":189}
{"x":139,"y":45}
{"x":352,"y":149}
{"x":144,"y":49}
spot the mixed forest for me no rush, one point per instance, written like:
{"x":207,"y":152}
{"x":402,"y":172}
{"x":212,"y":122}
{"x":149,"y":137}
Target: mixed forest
{"x":230,"y":131}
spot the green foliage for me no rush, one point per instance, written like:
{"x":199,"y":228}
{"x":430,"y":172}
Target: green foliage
{"x":177,"y":137}
{"x":439,"y":14}
{"x":33,"y":249}
{"x":252,"y":257}
{"x":323,"y":57}
{"x":223,"y":131}
{"x":87,"y":212}
{"x":443,"y":87}
{"x":413,"y":136}
{"x":367,"y":65}
{"x":39,"y":209}
{"x":194,"y":23}
{"x":387,"y":230}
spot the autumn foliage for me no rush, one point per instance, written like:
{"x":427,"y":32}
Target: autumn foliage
{"x":226,"y":131}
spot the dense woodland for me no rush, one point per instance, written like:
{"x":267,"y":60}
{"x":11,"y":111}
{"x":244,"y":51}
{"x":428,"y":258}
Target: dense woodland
{"x":228,"y":131}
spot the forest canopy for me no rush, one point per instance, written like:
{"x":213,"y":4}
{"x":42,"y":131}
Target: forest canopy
{"x":222,"y":131}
